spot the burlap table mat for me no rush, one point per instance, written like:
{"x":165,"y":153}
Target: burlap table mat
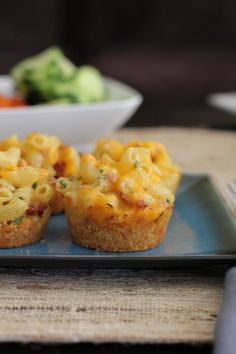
{"x":167,"y":306}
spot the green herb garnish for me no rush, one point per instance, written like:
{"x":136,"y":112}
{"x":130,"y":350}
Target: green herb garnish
{"x":136,"y":164}
{"x":18,"y":220}
{"x":102,"y":177}
{"x":168,"y":200}
{"x":21,"y":198}
{"x":101,"y":170}
{"x":63,"y":183}
{"x":35,"y":184}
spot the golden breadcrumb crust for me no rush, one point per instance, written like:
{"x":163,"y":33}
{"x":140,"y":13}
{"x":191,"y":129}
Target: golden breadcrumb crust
{"x":57,"y":203}
{"x":29,"y":231}
{"x":114,"y":236}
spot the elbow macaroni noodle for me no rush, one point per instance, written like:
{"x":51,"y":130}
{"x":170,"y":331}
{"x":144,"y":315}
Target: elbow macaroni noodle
{"x":44,"y":192}
{"x":24,"y":176}
{"x":9,"y":159}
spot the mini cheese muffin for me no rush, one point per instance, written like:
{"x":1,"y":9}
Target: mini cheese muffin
{"x":25,"y":195}
{"x":123,"y":198}
{"x":47,"y":152}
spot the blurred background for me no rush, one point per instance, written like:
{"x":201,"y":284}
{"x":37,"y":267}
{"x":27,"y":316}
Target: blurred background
{"x":174,"y":52}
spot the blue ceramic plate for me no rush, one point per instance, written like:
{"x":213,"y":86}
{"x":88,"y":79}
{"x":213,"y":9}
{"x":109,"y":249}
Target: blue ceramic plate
{"x":201,"y":232}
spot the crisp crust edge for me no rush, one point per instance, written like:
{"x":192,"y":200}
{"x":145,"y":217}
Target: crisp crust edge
{"x":118,"y":237}
{"x":30,"y":230}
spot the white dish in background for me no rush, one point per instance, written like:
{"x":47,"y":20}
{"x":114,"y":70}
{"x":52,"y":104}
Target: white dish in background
{"x":225,"y":101}
{"x":74,"y":123}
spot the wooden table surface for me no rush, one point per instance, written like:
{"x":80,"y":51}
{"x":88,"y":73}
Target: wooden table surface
{"x":149,"y":306}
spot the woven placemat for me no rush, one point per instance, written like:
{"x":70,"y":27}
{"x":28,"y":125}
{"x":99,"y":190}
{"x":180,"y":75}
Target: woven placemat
{"x":102,"y":306}
{"x":142,"y":306}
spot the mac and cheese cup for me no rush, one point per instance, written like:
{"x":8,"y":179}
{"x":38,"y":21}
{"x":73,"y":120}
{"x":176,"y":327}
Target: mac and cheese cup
{"x":25,"y":196}
{"x":123,"y":198}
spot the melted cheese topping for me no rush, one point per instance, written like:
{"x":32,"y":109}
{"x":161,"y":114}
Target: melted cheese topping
{"x":123,"y":180}
{"x":43,"y":151}
{"x":21,"y":187}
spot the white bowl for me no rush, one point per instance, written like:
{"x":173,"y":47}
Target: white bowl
{"x":225,"y":101}
{"x":74,"y":123}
